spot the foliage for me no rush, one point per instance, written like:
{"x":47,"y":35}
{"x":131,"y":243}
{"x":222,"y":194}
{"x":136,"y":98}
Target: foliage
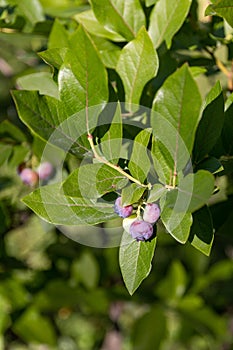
{"x":130,"y":99}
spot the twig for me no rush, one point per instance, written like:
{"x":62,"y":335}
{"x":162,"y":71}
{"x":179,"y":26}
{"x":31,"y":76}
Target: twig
{"x":222,"y":67}
{"x":113,"y":166}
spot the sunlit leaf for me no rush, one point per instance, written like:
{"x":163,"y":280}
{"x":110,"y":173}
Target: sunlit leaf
{"x":135,"y":260}
{"x":223,"y":8}
{"x":202,"y":234}
{"x":139,"y":164}
{"x":166,"y":19}
{"x":111,"y":142}
{"x":175,"y":116}
{"x":138,"y":63}
{"x":132,"y":194}
{"x":210,"y":125}
{"x":54,"y":207}
{"x":125,"y":18}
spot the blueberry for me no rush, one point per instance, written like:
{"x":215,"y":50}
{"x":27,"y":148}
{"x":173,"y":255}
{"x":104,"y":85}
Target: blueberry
{"x":45,"y":170}
{"x":151,"y":213}
{"x":141,"y":230}
{"x":123,"y":212}
{"x":29,"y":177}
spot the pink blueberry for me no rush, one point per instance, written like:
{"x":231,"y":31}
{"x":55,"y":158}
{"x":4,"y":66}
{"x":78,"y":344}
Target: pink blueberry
{"x":123,"y":212}
{"x":151,"y":213}
{"x":29,"y":177}
{"x":141,"y":230}
{"x":45,"y":170}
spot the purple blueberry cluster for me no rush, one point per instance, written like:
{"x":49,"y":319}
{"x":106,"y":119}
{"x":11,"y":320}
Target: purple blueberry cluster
{"x":45,"y":170}
{"x":122,"y":211}
{"x":31,"y":177}
{"x":151,"y":213}
{"x":140,"y":228}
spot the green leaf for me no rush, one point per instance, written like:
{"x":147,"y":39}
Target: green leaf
{"x":207,"y":318}
{"x":213,"y":94}
{"x":138,"y":63}
{"x":109,"y":179}
{"x":156,"y":192}
{"x":14,"y":291}
{"x":9,"y":130}
{"x":121,"y":17}
{"x":13,"y":146}
{"x":5,"y":217}
{"x":211,"y":164}
{"x":54,"y":57}
{"x":210,"y":125}
{"x":229,"y":101}
{"x":175,"y":116}
{"x":109,"y":52}
{"x":131,"y":194}
{"x":144,"y":335}
{"x":139,"y":164}
{"x":150,"y":2}
{"x":59,"y":36}
{"x":42,"y":82}
{"x":33,"y":327}
{"x":19,"y":154}
{"x":166,"y":19}
{"x":5,"y":320}
{"x":92,"y":181}
{"x":86,"y":262}
{"x":192,"y":193}
{"x":82,"y":75}
{"x":46,"y":116}
{"x":202,"y":234}
{"x":173,"y":286}
{"x":223,"y":8}
{"x":190,"y":303}
{"x":162,"y":160}
{"x":177,"y":224}
{"x":56,"y":294}
{"x":63,"y":9}
{"x":203,"y":187}
{"x":135,"y":260}
{"x":48,"y":203}
{"x":227,"y":131}
{"x":88,"y":20}
{"x":80,"y":182}
{"x":111,"y":142}
{"x":196,"y":71}
{"x":32,"y":11}
{"x":5,"y":152}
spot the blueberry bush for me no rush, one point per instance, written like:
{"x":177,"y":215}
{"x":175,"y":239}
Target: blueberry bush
{"x":116,"y":132}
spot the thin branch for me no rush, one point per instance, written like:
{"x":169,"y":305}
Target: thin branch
{"x":222,"y":67}
{"x":113,"y":166}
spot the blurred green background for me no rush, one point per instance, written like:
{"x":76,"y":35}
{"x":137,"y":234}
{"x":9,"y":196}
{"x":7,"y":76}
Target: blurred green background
{"x":58,"y":294}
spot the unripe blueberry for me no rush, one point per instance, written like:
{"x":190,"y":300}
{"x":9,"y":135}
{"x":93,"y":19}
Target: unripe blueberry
{"x":151,"y":213}
{"x":128,"y":221}
{"x":123,"y":212}
{"x":45,"y":170}
{"x":29,"y":177}
{"x":141,"y":230}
